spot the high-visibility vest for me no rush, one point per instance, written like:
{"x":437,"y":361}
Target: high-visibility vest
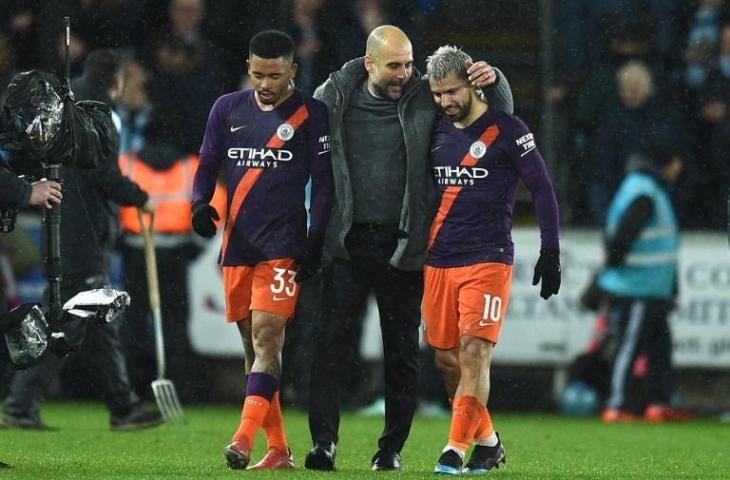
{"x":171,"y":189}
{"x":650,"y":267}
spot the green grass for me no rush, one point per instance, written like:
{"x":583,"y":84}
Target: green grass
{"x":538,"y":447}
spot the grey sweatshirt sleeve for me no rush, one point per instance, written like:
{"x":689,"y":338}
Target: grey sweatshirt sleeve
{"x":499,"y":95}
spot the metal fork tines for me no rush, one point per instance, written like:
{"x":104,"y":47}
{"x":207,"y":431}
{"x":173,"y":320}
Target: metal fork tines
{"x":167,"y":401}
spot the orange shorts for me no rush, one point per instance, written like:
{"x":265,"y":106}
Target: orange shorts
{"x":460,"y":301}
{"x":267,"y":286}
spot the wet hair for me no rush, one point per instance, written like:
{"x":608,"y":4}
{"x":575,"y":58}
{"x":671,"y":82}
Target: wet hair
{"x":445,"y":61}
{"x":102,"y":66}
{"x":271,"y":44}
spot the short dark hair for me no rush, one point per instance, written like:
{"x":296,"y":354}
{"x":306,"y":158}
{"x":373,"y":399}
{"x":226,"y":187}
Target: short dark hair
{"x":102,"y":66}
{"x":271,"y":44}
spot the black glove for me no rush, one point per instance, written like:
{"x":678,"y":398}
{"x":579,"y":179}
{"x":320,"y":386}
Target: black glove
{"x":309,"y":258}
{"x":203,"y":219}
{"x":548,"y":269}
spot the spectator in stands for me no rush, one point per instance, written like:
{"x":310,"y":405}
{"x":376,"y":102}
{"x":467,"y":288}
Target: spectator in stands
{"x":19,"y":26}
{"x":133,"y":107}
{"x":714,"y":141}
{"x":705,"y":23}
{"x":595,"y":101}
{"x":186,"y":80}
{"x":639,"y":118}
{"x":314,"y":38}
{"x":96,"y":24}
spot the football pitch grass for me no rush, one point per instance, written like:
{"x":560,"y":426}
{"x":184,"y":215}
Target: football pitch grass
{"x":538,"y":446}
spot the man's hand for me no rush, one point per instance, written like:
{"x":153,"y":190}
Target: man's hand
{"x":481,"y":74}
{"x":309,"y":258}
{"x":548,"y":269}
{"x":204,"y":217}
{"x":45,"y":193}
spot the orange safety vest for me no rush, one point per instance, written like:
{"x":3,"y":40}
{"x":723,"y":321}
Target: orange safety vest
{"x":172,"y":189}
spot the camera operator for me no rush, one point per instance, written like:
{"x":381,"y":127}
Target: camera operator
{"x":89,"y":227}
{"x":40,"y":123}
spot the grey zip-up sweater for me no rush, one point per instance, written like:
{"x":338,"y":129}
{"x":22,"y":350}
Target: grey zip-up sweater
{"x":417,"y":112}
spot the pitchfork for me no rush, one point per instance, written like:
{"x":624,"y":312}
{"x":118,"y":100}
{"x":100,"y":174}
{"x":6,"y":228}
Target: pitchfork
{"x":164,"y":389}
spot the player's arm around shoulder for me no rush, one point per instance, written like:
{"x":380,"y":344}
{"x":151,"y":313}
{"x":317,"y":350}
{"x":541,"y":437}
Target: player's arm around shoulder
{"x":493,"y":84}
{"x":326,"y":93}
{"x":499,"y":94}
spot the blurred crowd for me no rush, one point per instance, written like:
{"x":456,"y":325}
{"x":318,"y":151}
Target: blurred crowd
{"x":183,"y":54}
{"x":627,"y":71}
{"x":623,"y":70}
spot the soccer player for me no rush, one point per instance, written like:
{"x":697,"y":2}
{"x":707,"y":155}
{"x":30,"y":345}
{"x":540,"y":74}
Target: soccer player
{"x":478,"y":154}
{"x":271,"y":139}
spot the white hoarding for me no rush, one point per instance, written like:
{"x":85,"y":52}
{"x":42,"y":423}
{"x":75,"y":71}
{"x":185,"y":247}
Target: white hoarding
{"x":536,"y":331}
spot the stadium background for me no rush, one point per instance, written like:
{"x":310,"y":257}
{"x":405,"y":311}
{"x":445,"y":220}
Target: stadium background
{"x":560,"y":57}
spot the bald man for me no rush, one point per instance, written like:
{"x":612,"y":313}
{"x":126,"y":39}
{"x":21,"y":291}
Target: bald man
{"x":381,"y":116}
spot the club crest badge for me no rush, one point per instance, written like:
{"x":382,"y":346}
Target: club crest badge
{"x":285,"y":132}
{"x":478,"y":149}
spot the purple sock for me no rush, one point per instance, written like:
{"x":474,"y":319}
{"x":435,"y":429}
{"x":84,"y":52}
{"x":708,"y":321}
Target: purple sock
{"x":262,"y":385}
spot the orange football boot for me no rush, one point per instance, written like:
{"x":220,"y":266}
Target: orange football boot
{"x":614,"y":415}
{"x":664,"y":413}
{"x":275,"y":459}
{"x":238,"y":454}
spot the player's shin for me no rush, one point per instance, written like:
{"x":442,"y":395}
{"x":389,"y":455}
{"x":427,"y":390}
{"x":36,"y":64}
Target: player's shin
{"x":260,"y":391}
{"x":273,"y":426}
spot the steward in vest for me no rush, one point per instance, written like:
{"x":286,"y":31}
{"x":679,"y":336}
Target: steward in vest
{"x":640,"y":279}
{"x":166,"y":173}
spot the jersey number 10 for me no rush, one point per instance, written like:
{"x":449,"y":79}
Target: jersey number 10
{"x":492,"y":308}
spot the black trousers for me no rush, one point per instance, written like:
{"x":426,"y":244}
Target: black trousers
{"x":345,"y":288}
{"x":641,"y":350}
{"x":104,"y":348}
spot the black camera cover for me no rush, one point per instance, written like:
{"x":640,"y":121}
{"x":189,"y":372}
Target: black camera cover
{"x":43,"y":124}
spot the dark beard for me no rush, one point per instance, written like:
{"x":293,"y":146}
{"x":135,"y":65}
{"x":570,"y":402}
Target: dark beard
{"x":463,"y":112}
{"x":382,"y":92}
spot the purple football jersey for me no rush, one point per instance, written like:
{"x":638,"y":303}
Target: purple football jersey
{"x":475,"y":173}
{"x":268,"y":158}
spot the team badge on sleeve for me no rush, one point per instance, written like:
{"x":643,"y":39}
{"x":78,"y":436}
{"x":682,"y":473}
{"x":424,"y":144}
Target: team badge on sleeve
{"x":478,"y":149}
{"x":324,"y":144}
{"x":527,"y":142}
{"x":285,"y":132}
